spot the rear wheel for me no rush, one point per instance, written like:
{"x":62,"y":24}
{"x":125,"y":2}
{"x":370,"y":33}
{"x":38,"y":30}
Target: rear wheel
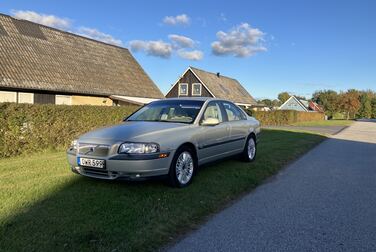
{"x":183,"y":167}
{"x":250,"y":149}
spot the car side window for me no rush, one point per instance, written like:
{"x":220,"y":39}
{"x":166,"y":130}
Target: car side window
{"x":213,"y":110}
{"x":233,"y":113}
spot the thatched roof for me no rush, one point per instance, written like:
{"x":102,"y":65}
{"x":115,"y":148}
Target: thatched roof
{"x":224,"y":87}
{"x":36,"y":57}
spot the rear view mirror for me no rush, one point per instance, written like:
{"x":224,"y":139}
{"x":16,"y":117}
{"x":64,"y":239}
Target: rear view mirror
{"x":210,"y":122}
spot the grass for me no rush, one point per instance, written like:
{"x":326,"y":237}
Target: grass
{"x":45,"y":207}
{"x":325,"y":123}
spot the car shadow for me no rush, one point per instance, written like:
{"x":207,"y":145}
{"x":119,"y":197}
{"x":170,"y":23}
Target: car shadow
{"x":90,"y":214}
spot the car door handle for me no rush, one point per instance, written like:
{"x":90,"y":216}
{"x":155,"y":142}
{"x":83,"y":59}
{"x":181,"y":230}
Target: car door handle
{"x":227,"y":128}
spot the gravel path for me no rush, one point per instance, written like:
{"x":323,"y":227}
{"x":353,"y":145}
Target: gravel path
{"x":325,"y":201}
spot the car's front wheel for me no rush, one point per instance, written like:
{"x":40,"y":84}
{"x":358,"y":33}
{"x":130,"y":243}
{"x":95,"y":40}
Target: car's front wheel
{"x":183,"y":167}
{"x":250,"y":149}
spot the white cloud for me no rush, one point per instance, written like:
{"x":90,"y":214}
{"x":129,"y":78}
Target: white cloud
{"x":240,"y":41}
{"x":191,"y":55}
{"x":182,"y":19}
{"x":177,"y":45}
{"x":98,"y":35}
{"x":181,"y":41}
{"x":157,"y":48}
{"x":44,"y":19}
{"x":65,"y":24}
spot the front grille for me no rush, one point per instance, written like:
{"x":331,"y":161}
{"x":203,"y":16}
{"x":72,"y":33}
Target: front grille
{"x":98,"y":150}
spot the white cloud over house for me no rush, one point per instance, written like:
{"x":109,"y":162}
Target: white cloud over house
{"x":195,"y":55}
{"x":180,"y":45}
{"x":182,"y":19}
{"x":180,"y":41}
{"x":157,"y":48}
{"x":44,"y":19}
{"x":98,"y":35}
{"x":66,"y":25}
{"x":240,"y":41}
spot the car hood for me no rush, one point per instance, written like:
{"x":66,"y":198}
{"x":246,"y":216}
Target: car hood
{"x":131,"y":131}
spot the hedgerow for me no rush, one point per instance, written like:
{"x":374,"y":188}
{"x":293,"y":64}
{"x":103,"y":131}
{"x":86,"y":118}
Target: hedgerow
{"x":26,"y":128}
{"x":285,"y":117}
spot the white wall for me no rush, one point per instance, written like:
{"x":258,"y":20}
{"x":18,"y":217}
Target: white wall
{"x":25,"y":98}
{"x":6,"y":96}
{"x":63,"y":100}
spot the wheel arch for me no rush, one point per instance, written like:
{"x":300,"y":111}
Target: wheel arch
{"x":191,"y":146}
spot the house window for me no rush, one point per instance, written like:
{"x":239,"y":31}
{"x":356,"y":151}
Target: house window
{"x":183,"y":89}
{"x":196,"y":89}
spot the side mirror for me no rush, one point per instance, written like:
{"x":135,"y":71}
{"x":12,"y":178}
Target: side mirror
{"x":210,"y":122}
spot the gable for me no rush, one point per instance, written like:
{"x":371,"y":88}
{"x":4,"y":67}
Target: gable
{"x":293,"y":104}
{"x":190,"y":78}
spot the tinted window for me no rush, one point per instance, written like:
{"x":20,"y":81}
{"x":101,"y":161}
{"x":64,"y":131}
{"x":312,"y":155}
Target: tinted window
{"x":233,"y":112}
{"x":168,"y":111}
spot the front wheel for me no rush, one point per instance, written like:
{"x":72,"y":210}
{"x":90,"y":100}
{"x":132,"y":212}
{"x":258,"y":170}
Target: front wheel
{"x":250,"y":149}
{"x":183,"y":167}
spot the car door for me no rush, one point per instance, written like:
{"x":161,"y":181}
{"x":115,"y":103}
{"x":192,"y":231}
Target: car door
{"x":238,"y":126}
{"x":212,"y":140}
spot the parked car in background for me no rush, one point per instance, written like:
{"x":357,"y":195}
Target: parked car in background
{"x":170,"y":137}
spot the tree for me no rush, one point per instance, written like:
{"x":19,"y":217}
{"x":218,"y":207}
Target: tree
{"x":284,"y":96}
{"x":329,"y":100}
{"x":365,"y":110}
{"x":373,"y":104}
{"x":349,"y":103}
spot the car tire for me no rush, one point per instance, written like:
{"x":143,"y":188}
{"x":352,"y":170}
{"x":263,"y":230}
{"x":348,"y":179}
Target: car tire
{"x":183,"y":167}
{"x":250,"y":149}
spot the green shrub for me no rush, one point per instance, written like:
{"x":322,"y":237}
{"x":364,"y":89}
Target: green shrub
{"x":26,"y":128}
{"x":285,"y":117}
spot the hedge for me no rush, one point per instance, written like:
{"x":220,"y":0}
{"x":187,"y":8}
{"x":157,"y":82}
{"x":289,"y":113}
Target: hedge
{"x":26,"y":128}
{"x":285,"y":117}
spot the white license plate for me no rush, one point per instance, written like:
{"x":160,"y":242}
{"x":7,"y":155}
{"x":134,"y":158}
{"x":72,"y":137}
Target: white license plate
{"x":89,"y":162}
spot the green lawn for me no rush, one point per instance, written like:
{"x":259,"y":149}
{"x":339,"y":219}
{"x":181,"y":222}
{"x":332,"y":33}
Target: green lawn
{"x":325,"y":123}
{"x":45,"y":207}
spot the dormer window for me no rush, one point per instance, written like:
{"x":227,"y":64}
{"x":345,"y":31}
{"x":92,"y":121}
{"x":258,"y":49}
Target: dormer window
{"x":196,"y":89}
{"x":183,"y":89}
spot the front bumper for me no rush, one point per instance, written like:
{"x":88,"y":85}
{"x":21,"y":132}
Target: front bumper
{"x":119,"y":166}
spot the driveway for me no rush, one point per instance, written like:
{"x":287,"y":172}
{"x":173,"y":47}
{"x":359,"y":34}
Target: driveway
{"x":326,"y":130}
{"x":325,"y":201}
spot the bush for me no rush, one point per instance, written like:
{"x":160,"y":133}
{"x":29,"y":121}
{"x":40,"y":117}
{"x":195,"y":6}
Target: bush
{"x":26,"y":128}
{"x":285,"y":117}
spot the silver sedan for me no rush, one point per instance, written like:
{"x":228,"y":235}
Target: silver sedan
{"x":169,"y":137}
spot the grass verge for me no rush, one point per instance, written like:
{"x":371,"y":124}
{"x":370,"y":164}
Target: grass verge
{"x":44,"y":207}
{"x":324,"y":123}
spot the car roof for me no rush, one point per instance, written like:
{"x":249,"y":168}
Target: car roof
{"x":199,"y":98}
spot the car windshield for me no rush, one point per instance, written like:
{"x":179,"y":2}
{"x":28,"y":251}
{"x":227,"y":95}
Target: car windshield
{"x":180,"y":111}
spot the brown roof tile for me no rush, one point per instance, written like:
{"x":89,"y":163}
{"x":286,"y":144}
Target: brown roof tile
{"x":224,"y":87}
{"x":37,"y":57}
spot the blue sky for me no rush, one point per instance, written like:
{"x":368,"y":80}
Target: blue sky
{"x":269,"y":46}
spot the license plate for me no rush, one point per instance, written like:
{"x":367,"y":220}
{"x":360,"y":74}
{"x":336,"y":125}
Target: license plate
{"x":89,"y":162}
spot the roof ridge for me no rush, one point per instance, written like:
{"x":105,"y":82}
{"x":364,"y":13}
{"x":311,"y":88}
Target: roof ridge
{"x":67,"y":32}
{"x":213,"y":73}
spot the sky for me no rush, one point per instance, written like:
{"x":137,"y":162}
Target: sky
{"x":298,"y":46}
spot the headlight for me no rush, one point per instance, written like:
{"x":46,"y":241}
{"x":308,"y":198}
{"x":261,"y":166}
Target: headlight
{"x":138,"y":148}
{"x":74,"y":144}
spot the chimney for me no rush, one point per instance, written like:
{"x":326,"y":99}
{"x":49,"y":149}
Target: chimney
{"x":218,"y":74}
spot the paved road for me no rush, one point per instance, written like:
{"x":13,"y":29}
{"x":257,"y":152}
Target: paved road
{"x":328,"y":130}
{"x":325,"y":201}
